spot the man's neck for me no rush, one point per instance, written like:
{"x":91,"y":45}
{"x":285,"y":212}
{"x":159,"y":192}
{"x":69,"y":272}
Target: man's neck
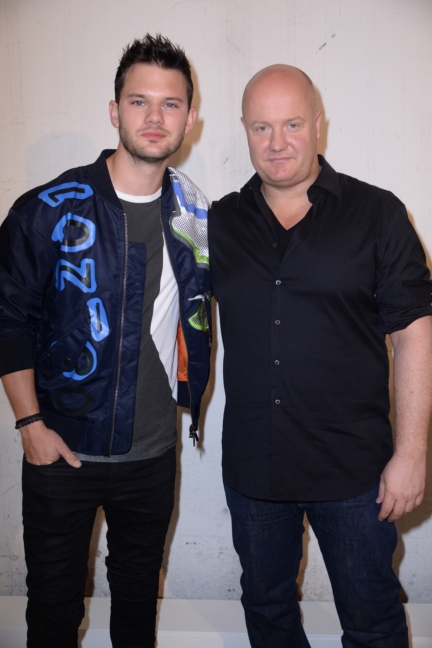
{"x":289,"y":204}
{"x":290,"y":193}
{"x":135,"y":178}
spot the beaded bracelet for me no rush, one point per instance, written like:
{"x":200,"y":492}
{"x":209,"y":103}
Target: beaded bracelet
{"x":27,"y":420}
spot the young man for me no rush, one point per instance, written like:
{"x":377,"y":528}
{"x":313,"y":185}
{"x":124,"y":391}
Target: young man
{"x":311,"y":269}
{"x":104,"y":280}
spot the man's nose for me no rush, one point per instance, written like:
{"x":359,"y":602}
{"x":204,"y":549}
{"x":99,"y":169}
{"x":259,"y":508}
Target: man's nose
{"x":279,"y":140}
{"x":154,"y":114}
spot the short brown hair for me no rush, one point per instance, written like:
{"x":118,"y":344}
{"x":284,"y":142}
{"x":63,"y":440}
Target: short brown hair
{"x":156,"y":50}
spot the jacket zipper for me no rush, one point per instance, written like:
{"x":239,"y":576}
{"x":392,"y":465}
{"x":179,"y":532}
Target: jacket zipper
{"x":121,"y":335}
{"x":192,"y":428}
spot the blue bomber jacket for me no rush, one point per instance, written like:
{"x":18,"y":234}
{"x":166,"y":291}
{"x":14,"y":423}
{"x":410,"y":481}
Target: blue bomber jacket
{"x":71,"y":295}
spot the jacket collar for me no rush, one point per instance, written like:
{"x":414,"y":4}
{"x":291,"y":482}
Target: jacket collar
{"x":100,"y":178}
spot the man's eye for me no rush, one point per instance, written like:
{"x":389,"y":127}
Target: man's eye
{"x":138,"y":103}
{"x":261,"y":129}
{"x":170,"y":105}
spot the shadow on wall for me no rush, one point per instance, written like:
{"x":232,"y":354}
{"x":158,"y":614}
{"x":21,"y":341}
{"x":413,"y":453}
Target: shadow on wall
{"x":322,"y":142}
{"x":180,"y":157}
{"x":53,"y":154}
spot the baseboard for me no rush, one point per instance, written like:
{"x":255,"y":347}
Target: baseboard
{"x":203,"y":624}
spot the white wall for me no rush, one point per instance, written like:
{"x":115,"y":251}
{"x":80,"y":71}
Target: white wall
{"x":370,"y":61}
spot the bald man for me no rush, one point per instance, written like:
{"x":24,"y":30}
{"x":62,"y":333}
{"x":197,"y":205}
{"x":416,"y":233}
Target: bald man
{"x":311,"y":269}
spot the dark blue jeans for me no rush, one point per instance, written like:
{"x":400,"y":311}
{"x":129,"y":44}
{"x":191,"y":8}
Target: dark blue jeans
{"x":59,"y":508}
{"x":357,"y":551}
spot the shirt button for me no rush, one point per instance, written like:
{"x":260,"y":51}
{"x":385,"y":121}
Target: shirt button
{"x":276,"y":362}
{"x":278,"y":282}
{"x":277,"y":322}
{"x":277,"y":401}
{"x":274,"y":244}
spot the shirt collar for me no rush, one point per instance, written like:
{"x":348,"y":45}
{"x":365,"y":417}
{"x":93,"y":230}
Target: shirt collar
{"x":327,"y":179}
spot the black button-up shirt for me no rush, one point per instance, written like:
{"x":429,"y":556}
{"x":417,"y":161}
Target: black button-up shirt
{"x":306,"y":364}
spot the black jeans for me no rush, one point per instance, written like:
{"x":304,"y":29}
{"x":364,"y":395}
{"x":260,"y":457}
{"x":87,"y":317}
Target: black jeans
{"x":59,"y":508}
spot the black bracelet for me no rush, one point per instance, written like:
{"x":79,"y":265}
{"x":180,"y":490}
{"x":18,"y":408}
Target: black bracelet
{"x":27,"y":420}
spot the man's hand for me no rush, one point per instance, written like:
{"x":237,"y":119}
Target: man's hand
{"x":402,"y":482}
{"x":43,"y":446}
{"x":401,"y":486}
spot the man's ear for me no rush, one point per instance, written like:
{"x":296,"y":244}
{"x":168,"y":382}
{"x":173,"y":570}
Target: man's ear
{"x":113,"y":113}
{"x":243,"y":122}
{"x":318,"y":123}
{"x":191,"y":119}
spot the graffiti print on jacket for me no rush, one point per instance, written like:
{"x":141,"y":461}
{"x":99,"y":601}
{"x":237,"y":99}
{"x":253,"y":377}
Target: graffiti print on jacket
{"x":83,"y":276}
{"x":84,"y":226}
{"x":98,"y":319}
{"x":54,"y":196}
{"x":75,"y":234}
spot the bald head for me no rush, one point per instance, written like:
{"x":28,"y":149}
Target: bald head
{"x":282,"y":124}
{"x":291,"y":77}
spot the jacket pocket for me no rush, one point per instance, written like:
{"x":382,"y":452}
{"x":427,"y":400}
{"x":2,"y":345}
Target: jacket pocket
{"x":63,"y":353}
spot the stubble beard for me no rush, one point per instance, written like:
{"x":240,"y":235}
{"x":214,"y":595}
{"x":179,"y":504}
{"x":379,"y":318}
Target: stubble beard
{"x":140,"y":157}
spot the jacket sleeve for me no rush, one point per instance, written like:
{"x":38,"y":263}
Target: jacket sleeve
{"x":27,"y":267}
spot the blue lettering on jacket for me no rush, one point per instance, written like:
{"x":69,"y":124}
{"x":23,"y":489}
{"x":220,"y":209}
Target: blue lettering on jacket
{"x":82,"y":370}
{"x":54,"y":196}
{"x":98,"y":319}
{"x":87,"y":230}
{"x":84,"y":276}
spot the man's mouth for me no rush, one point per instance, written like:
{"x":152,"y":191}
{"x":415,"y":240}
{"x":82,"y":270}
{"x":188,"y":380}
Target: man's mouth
{"x":153,"y":135}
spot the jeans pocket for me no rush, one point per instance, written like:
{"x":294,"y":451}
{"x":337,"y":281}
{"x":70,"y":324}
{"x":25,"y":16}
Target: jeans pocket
{"x":43,"y":466}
